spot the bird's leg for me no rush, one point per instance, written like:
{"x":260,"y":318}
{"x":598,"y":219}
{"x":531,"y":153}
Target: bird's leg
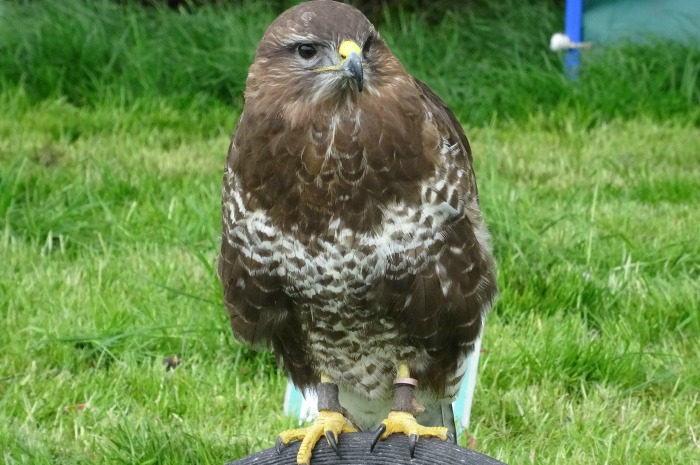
{"x":401,"y":419}
{"x":329,"y":423}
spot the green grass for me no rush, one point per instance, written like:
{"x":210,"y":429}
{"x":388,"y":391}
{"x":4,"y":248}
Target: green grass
{"x":491,"y":62}
{"x":109,"y":199}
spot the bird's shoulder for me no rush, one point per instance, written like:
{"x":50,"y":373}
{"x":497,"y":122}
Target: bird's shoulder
{"x":448,"y":125}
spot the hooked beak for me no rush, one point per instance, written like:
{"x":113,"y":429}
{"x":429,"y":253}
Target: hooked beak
{"x":351,"y":56}
{"x":350,"y":63}
{"x":352,"y":68}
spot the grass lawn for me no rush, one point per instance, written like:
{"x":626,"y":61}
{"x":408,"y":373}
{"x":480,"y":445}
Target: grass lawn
{"x":109,"y":228}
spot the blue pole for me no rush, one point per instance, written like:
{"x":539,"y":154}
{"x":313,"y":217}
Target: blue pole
{"x":573,"y":25}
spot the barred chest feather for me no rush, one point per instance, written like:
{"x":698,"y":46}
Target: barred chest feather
{"x":351,"y":253}
{"x":334,"y":280}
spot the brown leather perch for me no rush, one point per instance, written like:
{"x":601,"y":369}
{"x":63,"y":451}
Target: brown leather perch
{"x":354,"y":449}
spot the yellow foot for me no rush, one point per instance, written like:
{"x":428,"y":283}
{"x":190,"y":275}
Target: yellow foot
{"x":328,"y":423}
{"x":404,"y":422}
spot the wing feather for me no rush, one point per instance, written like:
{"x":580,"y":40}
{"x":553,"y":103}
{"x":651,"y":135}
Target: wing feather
{"x":443,"y":306}
{"x":260,"y":311}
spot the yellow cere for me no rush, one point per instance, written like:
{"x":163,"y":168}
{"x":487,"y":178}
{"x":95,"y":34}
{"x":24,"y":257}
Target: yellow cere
{"x":347,"y":47}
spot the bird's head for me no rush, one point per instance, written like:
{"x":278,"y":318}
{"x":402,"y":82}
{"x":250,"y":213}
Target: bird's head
{"x":318,"y":52}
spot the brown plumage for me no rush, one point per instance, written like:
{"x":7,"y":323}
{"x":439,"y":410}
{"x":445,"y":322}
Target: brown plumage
{"x":352,"y":234}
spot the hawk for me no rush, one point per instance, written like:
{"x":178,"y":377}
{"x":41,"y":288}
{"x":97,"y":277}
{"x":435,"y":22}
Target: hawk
{"x":353,"y":242}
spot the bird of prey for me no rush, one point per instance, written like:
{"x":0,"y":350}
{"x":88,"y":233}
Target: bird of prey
{"x":353,"y":242}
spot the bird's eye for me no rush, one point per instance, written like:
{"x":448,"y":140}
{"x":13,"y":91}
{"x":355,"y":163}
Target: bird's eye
{"x":306,"y":51}
{"x":367,"y":45}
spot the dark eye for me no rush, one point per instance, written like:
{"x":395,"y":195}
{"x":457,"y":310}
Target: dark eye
{"x":306,"y":51}
{"x":367,"y":45}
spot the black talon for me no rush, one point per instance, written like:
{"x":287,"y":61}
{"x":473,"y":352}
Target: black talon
{"x":412,"y":439}
{"x":278,"y":445}
{"x":377,"y":434}
{"x":451,"y":436}
{"x":331,"y":440}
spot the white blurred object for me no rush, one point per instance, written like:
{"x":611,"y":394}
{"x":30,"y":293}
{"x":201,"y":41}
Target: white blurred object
{"x":561,"y":42}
